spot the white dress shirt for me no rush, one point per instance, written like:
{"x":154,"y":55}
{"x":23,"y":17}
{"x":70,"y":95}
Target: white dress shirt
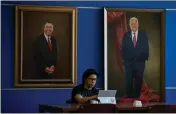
{"x":47,"y":37}
{"x":132,"y":34}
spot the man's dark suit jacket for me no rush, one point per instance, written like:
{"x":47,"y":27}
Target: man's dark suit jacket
{"x":130,"y":53}
{"x":42,"y":55}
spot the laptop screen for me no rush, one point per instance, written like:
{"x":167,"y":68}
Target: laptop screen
{"x":107,"y":93}
{"x":107,"y":96}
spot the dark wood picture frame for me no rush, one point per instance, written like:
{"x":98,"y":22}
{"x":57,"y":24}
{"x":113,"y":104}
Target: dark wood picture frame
{"x":35,"y":83}
{"x":162,"y":43}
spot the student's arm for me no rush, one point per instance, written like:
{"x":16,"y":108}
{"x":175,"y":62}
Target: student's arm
{"x":82,"y":100}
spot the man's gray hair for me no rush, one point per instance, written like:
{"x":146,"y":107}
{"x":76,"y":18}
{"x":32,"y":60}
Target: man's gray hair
{"x":134,"y":18}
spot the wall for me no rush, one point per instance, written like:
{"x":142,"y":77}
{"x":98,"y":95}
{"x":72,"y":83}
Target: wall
{"x":90,"y":53}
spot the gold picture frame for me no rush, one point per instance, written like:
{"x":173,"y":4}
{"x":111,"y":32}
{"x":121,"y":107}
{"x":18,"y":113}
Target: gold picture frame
{"x":29,"y":21}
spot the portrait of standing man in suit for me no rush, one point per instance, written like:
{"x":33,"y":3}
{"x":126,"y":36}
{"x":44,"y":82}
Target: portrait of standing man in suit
{"x":45,"y":52}
{"x":134,"y":52}
{"x":45,"y":46}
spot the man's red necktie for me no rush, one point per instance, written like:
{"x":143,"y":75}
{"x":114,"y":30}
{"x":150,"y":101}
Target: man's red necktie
{"x":134,"y":39}
{"x":49,"y":44}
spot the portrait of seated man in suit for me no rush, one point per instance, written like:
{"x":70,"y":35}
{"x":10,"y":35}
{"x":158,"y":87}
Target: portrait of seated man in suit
{"x":86,"y":91}
{"x":45,"y":52}
{"x":135,"y":53}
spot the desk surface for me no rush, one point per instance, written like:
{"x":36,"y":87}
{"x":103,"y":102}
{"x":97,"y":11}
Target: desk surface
{"x":130,"y":105}
{"x":118,"y":107}
{"x":63,"y":107}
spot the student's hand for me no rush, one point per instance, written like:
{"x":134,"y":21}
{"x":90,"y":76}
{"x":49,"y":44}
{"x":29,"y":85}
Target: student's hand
{"x":93,"y":102}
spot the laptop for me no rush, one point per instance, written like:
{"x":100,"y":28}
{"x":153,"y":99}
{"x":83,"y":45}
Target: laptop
{"x":107,"y":96}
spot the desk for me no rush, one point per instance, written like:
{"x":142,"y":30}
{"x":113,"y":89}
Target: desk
{"x":77,"y":108}
{"x":162,"y":108}
{"x":129,"y":108}
{"x":66,"y":108}
{"x":108,"y":108}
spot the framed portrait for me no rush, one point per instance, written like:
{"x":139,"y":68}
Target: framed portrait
{"x":45,"y":46}
{"x":131,"y":57}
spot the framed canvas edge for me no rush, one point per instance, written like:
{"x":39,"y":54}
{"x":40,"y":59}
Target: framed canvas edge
{"x":18,"y":38}
{"x":136,"y":9}
{"x":162,"y":43}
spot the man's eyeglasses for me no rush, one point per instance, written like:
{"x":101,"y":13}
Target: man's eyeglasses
{"x":93,"y":79}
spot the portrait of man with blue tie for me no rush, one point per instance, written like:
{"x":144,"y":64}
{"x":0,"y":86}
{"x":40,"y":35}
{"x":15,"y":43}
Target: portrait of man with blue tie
{"x":134,"y":52}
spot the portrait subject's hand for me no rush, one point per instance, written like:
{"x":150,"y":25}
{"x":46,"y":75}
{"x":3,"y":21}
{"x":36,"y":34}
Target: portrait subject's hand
{"x":52,"y":68}
{"x":48,"y":70}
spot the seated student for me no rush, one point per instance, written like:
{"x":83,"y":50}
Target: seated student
{"x":86,"y":91}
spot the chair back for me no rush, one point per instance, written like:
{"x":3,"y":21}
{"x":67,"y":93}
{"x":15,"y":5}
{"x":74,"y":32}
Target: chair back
{"x":69,"y":101}
{"x":51,"y":109}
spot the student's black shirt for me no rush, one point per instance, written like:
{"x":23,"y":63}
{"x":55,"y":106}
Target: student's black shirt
{"x":83,"y":92}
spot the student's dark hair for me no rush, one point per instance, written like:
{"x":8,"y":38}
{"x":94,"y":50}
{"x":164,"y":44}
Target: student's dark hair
{"x":87,"y":73}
